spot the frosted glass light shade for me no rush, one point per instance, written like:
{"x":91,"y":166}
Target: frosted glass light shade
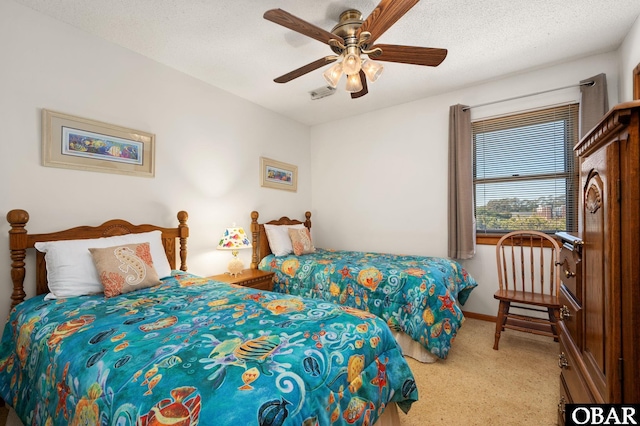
{"x":372,"y":69}
{"x":351,"y":64}
{"x":333,"y":74}
{"x":354,"y":84}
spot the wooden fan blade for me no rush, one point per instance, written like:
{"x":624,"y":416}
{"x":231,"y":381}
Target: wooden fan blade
{"x":294,"y":23}
{"x":428,"y":56}
{"x":305,"y":69}
{"x":365,"y":89}
{"x":384,"y":16}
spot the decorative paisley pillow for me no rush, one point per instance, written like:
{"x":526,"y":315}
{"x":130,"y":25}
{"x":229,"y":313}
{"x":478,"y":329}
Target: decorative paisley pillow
{"x":278,"y":237}
{"x":301,"y":241}
{"x":125,"y":268}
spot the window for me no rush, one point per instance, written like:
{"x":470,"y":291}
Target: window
{"x":525,"y":171}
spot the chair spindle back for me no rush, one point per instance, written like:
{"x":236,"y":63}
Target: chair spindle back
{"x":527,"y":261}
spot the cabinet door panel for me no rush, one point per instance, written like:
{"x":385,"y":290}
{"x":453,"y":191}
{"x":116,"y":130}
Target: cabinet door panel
{"x":593,"y":298}
{"x":601,"y":237}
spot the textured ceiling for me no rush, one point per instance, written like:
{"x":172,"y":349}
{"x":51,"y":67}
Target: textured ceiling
{"x":229,"y":45}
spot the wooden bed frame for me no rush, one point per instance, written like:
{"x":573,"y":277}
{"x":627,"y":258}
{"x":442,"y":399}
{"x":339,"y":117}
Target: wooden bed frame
{"x":20,"y":240}
{"x":259,"y":242}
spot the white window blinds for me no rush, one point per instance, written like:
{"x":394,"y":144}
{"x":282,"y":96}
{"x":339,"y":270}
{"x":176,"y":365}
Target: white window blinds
{"x":525,"y":171}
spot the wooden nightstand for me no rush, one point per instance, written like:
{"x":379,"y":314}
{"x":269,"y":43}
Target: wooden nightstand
{"x":253,"y":278}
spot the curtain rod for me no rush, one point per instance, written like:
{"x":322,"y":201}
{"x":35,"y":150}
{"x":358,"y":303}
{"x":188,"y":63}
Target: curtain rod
{"x":586,"y":83}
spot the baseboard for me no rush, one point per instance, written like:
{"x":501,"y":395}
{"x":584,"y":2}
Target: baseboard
{"x":481,"y":317}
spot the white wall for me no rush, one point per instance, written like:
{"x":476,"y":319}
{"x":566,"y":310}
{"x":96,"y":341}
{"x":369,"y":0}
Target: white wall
{"x":208,"y":142}
{"x":384,"y":174}
{"x":629,"y":59}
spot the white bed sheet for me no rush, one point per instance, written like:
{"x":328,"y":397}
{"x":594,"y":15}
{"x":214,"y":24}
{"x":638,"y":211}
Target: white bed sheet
{"x":413,"y":349}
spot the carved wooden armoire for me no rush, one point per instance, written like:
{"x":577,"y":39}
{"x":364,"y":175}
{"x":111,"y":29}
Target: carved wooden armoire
{"x":600,"y":328}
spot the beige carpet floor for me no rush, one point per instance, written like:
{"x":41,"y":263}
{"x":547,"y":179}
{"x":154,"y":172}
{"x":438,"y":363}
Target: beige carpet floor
{"x":475,"y":385}
{"x":515,"y":385}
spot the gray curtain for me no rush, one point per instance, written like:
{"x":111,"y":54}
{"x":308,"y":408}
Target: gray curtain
{"x":462,"y":222}
{"x":594,"y":102}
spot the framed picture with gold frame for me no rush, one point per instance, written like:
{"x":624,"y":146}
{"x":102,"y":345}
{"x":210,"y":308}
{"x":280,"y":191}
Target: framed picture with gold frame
{"x":73,"y":142}
{"x":278,"y":175}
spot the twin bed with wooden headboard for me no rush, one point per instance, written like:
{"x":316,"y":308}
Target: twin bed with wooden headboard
{"x":149,"y":343}
{"x":417,"y":296}
{"x":20,"y":240}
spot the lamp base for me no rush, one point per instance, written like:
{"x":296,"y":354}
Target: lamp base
{"x":235,"y":267}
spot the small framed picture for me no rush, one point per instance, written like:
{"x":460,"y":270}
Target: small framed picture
{"x":278,"y":175}
{"x":72,"y":142}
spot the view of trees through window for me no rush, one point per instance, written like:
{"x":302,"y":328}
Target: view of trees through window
{"x":524,"y":171}
{"x":547,"y":214}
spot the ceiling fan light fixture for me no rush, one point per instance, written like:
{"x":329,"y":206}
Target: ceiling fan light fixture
{"x":372,"y":69}
{"x":354,"y":37}
{"x":333,"y":74}
{"x":354,"y":84}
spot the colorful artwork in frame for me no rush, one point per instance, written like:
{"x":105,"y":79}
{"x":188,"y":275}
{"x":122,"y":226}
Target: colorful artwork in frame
{"x":80,"y":143}
{"x":278,"y":175}
{"x":94,"y":145}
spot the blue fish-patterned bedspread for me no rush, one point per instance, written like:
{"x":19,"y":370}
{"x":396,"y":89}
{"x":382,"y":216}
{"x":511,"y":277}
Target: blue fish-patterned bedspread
{"x":192,"y":350}
{"x":414,"y":294}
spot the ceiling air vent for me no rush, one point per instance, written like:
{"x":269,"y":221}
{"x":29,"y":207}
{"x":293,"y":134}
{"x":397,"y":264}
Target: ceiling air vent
{"x":322,"y":92}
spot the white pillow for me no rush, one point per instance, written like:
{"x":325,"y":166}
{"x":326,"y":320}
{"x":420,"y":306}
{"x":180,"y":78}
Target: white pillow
{"x":70,"y":268}
{"x":278,"y":237}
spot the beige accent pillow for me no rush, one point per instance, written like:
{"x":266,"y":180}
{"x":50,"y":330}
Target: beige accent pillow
{"x":125,"y":268}
{"x":301,"y":241}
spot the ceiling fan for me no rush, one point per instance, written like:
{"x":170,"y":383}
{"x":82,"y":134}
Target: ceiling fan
{"x":353,"y":37}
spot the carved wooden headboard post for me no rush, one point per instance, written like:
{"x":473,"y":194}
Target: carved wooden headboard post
{"x":307,"y":222}
{"x":183,"y":231}
{"x":18,"y":248}
{"x":255,"y":229}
